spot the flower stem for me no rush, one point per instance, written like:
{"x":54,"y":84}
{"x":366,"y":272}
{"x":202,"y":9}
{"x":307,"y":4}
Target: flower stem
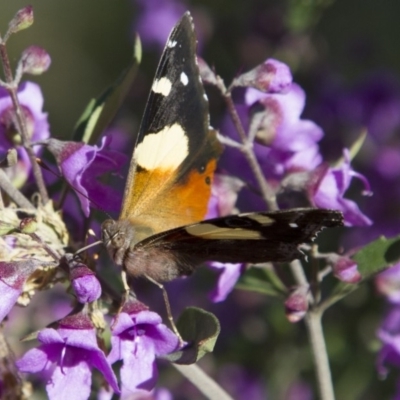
{"x":316,"y":337}
{"x":14,"y":193}
{"x":320,"y":355}
{"x":203,"y":382}
{"x":247,"y":148}
{"x":12,"y":88}
{"x":12,"y":383}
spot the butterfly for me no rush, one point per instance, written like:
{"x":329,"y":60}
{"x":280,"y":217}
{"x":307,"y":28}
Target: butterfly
{"x":160,"y":233}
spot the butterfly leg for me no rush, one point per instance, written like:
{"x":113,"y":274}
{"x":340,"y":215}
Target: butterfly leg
{"x":124,"y":298}
{"x":168,"y":308}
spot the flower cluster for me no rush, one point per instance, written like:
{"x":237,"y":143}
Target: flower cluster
{"x":272,"y":160}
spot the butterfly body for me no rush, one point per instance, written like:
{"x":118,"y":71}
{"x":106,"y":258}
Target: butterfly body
{"x":160,"y":232}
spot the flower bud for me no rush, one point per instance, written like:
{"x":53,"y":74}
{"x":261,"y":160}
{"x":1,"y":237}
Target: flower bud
{"x":10,"y":160}
{"x":85,"y":284}
{"x":22,"y":19}
{"x":35,"y":60}
{"x":272,"y":76}
{"x":296,"y":305}
{"x":345,"y":269}
{"x":28,"y":225}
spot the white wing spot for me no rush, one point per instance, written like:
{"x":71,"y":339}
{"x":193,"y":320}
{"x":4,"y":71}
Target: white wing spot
{"x":205,"y":97}
{"x":171,"y":43}
{"x":165,"y":149}
{"x":184,"y":79}
{"x":293,"y":225}
{"x":162,"y":86}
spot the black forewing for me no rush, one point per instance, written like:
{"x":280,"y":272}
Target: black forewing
{"x":186,"y":104}
{"x":275,"y":239}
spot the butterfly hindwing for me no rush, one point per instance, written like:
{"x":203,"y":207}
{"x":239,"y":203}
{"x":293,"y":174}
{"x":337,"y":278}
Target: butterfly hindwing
{"x":169,"y":181}
{"x":253,"y":237}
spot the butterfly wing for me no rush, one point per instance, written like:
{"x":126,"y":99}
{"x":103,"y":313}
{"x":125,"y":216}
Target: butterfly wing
{"x":171,"y":172}
{"x":253,"y":237}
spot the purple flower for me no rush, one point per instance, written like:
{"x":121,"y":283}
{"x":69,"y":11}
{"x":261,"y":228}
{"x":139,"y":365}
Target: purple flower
{"x":31,"y":100}
{"x":229,"y":275}
{"x":292,"y":140}
{"x":13,"y":275}
{"x":67,"y":356}
{"x":137,"y":338}
{"x":284,"y":142}
{"x":287,"y":142}
{"x":329,"y":189}
{"x":388,"y":284}
{"x":224,"y":193}
{"x":162,"y":14}
{"x":389,"y":334}
{"x":81,"y":164}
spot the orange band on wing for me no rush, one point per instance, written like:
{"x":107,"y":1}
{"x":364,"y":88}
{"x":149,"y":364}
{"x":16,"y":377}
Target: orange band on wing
{"x":160,"y":204}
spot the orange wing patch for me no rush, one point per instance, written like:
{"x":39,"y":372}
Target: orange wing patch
{"x":161,"y":203}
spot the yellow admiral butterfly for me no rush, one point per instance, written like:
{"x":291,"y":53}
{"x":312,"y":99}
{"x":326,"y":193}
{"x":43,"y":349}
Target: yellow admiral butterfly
{"x":160,"y":233}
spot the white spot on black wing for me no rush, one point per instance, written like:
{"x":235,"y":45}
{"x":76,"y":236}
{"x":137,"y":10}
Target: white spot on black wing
{"x":162,"y":86}
{"x":184,"y":79}
{"x":171,"y":43}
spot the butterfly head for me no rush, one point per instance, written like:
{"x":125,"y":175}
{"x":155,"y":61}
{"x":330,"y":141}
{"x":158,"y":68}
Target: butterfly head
{"x":118,"y":237}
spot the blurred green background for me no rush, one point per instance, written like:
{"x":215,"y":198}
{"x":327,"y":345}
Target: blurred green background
{"x":90,"y":43}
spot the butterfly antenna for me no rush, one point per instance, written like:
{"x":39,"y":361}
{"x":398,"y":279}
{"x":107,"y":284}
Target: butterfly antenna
{"x":47,"y":168}
{"x":82,"y":249}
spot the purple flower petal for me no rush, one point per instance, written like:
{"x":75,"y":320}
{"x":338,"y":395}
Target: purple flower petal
{"x":70,"y":382}
{"x":388,"y":284}
{"x":34,"y":360}
{"x":136,"y":339}
{"x":139,"y":369}
{"x":31,"y":99}
{"x":9,"y":296}
{"x":67,"y":355}
{"x":328,"y":192}
{"x":226,"y":280}
{"x":224,"y":193}
{"x":81,"y":164}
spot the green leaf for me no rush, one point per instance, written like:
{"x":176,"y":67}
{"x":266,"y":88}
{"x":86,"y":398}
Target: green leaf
{"x":100,"y":112}
{"x":200,"y":329}
{"x":375,"y":257}
{"x":261,"y":280}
